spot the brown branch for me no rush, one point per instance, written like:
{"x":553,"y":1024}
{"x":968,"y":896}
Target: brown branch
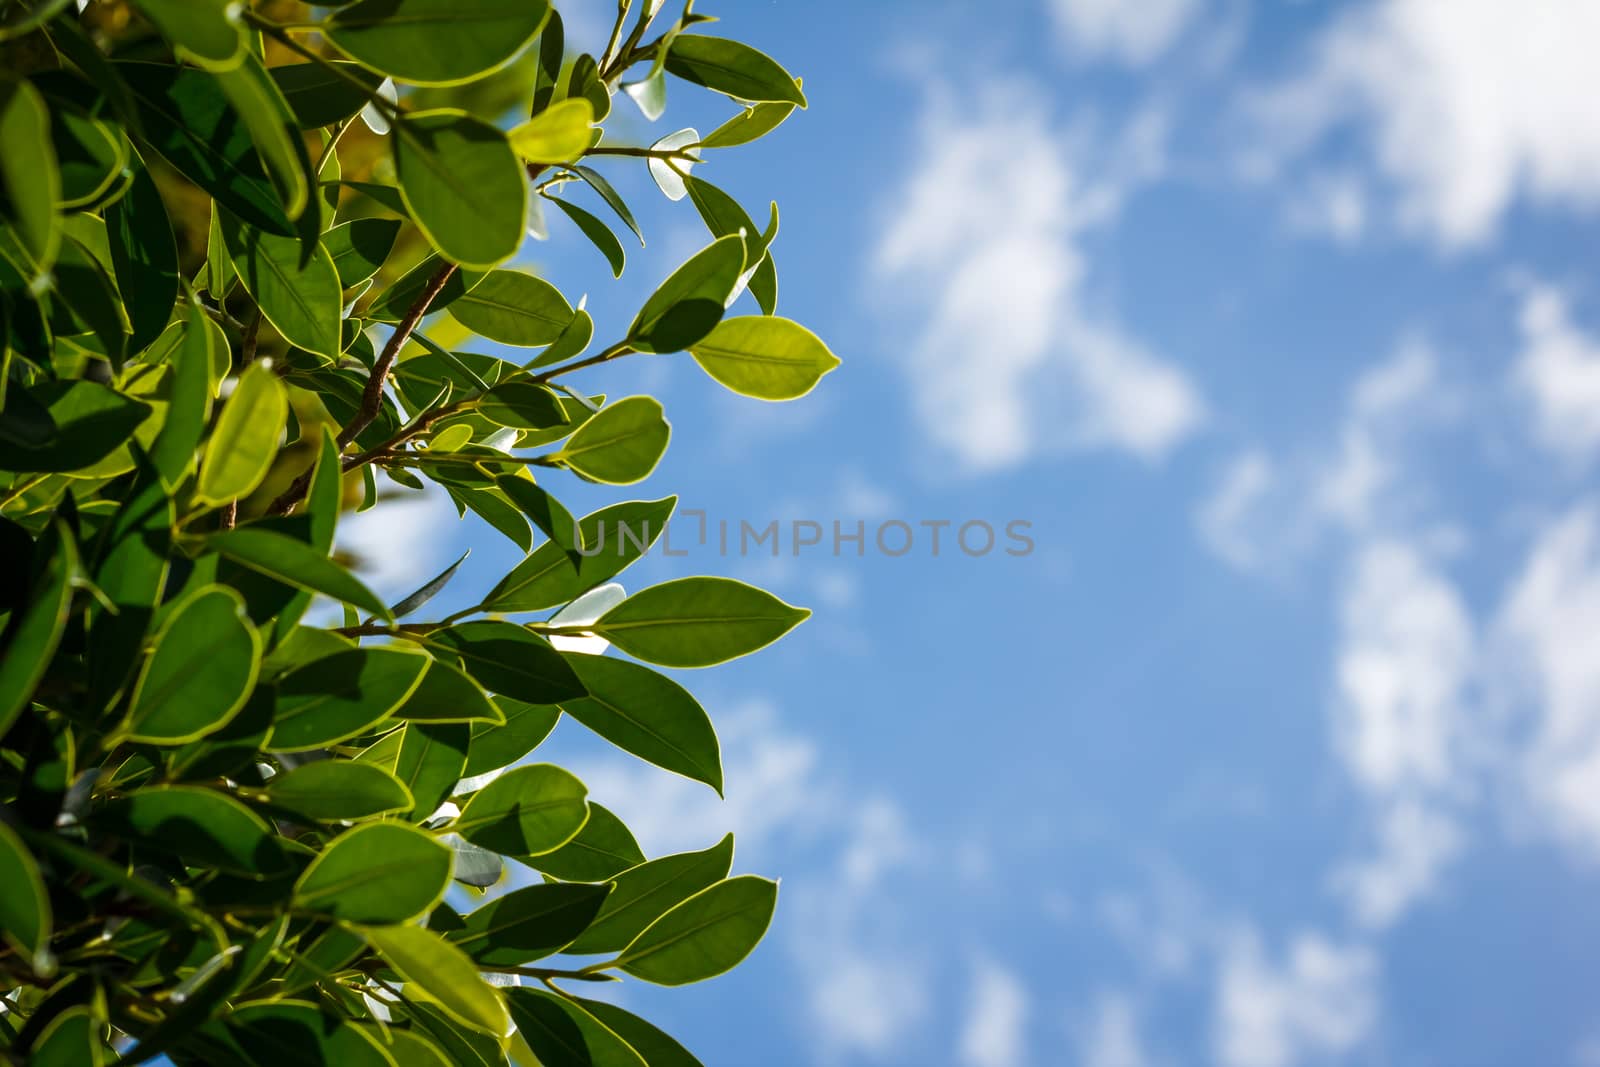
{"x":247,"y":356}
{"x":372,"y":396}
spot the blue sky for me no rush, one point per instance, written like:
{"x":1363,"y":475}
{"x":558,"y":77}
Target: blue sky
{"x":1279,"y":324}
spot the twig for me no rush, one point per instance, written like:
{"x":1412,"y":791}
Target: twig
{"x":372,"y":397}
{"x":247,"y":356}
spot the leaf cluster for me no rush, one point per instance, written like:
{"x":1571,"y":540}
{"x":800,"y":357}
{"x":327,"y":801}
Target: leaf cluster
{"x":250,"y":812}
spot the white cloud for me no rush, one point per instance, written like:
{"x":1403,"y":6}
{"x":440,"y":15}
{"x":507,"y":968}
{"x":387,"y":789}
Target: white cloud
{"x":1471,"y":105}
{"x":1332,"y":205}
{"x":1558,"y":372}
{"x":403,"y":542}
{"x":1113,"y":1038}
{"x":995,"y":1032}
{"x":1320,"y":1001}
{"x":1008,"y":359}
{"x":1548,"y":625}
{"x":1134,"y":33}
{"x":1227,"y":519}
{"x":1416,"y":842}
{"x":1406,"y":649}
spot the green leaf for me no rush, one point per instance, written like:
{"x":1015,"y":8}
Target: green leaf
{"x":34,"y":633}
{"x":598,"y":183}
{"x":85,"y":290}
{"x":339,"y":789}
{"x":359,"y":248}
{"x":201,"y":672}
{"x":430,"y":761}
{"x":398,"y":298}
{"x":91,"y":422}
{"x":71,"y":1039}
{"x":417,"y":598}
{"x":522,"y":405}
{"x":706,"y":935}
{"x":723,"y":216}
{"x":29,"y":179}
{"x":559,"y":134}
{"x":410,"y":1050}
{"x":621,"y":444}
{"x":245,"y":441}
{"x":201,"y":826}
{"x":559,"y":1031}
{"x":187,"y":119}
{"x":25,"y":917}
{"x":461,"y":181}
{"x":507,"y":659}
{"x":545,"y":511}
{"x":596,"y":231}
{"x":300,"y":299}
{"x":271,"y":1033}
{"x":447,"y":695}
{"x":341,"y":696}
{"x":751,"y":124}
{"x":765,"y":357}
{"x":697,"y":622}
{"x":445,"y":973}
{"x":613,"y":538}
{"x":384,"y":872}
{"x":205,"y":31}
{"x":435,"y":42}
{"x":273,"y":129}
{"x":515,"y":309}
{"x":321,"y":94}
{"x":90,"y":154}
{"x":145,"y":259}
{"x":528,"y":924}
{"x":657,"y":1048}
{"x":603,"y":848}
{"x":493,"y":747}
{"x":526,"y":811}
{"x":295,"y":563}
{"x":732,"y":68}
{"x":646,"y":714}
{"x":572,"y":342}
{"x":691,"y":301}
{"x":645,"y":893}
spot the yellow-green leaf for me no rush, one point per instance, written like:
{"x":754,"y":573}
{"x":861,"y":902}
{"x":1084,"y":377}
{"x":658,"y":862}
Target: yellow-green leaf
{"x":245,"y":442}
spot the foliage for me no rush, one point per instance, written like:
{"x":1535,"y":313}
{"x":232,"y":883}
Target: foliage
{"x":243,"y":250}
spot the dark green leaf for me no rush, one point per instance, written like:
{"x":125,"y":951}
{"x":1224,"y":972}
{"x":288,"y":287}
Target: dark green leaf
{"x":493,"y":747}
{"x":359,"y":248}
{"x":697,"y":622}
{"x":29,"y":180}
{"x":296,"y":563}
{"x":507,"y":659}
{"x":732,"y":68}
{"x":522,"y":405}
{"x":201,"y":826}
{"x":206,"y":31}
{"x":187,"y":119}
{"x":598,"y":232}
{"x":398,"y":298}
{"x":646,"y":714}
{"x":278,"y":140}
{"x":341,"y":696}
{"x":280,"y":1032}
{"x":91,"y":422}
{"x":691,"y":301}
{"x":545,"y":511}
{"x":598,"y":182}
{"x":383,"y":872}
{"x":657,"y":1048}
{"x":201,"y":672}
{"x":603,"y":848}
{"x":526,"y":811}
{"x":515,"y":309}
{"x":646,"y":892}
{"x":435,"y":42}
{"x":613,"y":538}
{"x":430,"y":762}
{"x":145,"y":258}
{"x":560,"y":1032}
{"x":528,"y":924}
{"x":339,"y":789}
{"x":460,"y":180}
{"x":33,"y":634}
{"x":707,"y":934}
{"x":25,"y":916}
{"x":319,"y":96}
{"x":434,"y":586}
{"x":89,"y":153}
{"x":302,"y":300}
{"x":447,"y":695}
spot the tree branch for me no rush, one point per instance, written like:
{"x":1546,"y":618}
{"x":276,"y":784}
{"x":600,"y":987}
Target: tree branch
{"x":372,"y":396}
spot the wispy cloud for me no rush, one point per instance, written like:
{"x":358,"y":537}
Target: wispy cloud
{"x":1468,"y":107}
{"x":1320,"y":1000}
{"x":1558,"y":373}
{"x":1113,"y":1037}
{"x":995,"y":1033}
{"x":1134,"y":34}
{"x":1004,"y":355}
